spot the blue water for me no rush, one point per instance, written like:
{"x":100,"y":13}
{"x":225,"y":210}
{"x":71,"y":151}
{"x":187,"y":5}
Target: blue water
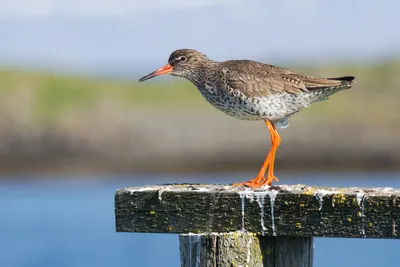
{"x":70,"y":222}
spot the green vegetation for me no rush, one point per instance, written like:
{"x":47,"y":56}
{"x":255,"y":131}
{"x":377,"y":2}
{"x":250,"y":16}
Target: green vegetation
{"x":49,"y":96}
{"x":53,"y":94}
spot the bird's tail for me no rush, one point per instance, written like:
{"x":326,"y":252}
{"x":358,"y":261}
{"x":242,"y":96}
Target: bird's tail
{"x":341,"y":83}
{"x":321,"y":88}
{"x":345,"y":81}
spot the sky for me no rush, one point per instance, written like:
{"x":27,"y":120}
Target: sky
{"x":119,"y":35}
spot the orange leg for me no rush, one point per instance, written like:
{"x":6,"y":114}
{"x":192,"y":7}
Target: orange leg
{"x":277,"y":140}
{"x":260,"y":180}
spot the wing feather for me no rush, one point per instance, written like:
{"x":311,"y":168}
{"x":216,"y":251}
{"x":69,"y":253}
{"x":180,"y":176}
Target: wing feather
{"x":257,"y":79}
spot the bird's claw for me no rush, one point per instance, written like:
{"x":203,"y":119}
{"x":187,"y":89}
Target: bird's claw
{"x":258,"y":182}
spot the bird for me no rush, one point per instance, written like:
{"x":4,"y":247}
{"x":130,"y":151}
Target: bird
{"x":254,"y":91}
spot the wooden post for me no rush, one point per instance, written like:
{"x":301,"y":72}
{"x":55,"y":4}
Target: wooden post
{"x":225,"y":226}
{"x":245,"y":249}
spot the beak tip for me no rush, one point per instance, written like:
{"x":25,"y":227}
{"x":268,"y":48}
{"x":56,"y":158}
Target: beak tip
{"x":143,"y":79}
{"x":164,"y":70}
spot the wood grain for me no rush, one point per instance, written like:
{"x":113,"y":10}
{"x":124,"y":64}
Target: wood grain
{"x":245,"y":249}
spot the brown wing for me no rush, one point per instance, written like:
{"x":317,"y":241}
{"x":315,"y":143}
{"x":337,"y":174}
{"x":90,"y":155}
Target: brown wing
{"x":258,"y":79}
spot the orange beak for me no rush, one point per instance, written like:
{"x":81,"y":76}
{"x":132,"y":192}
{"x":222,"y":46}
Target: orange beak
{"x":164,"y":70}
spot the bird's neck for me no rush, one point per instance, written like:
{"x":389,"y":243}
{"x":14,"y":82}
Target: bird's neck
{"x":200,"y":74}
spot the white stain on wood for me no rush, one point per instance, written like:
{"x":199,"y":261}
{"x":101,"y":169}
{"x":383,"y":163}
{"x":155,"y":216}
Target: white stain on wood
{"x":360,"y":200}
{"x":260,"y":197}
{"x":142,"y":189}
{"x":160,"y":192}
{"x":319,"y":195}
{"x":242,"y":199}
{"x":272,"y":197}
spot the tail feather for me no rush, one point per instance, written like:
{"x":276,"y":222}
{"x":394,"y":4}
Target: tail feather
{"x":321,"y":88}
{"x":343,"y":79}
{"x":313,"y":83}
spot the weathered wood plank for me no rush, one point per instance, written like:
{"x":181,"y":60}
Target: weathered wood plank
{"x":296,"y":210}
{"x":245,"y":249}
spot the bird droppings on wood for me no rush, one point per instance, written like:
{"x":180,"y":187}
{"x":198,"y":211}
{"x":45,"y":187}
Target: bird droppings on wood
{"x":242,"y":198}
{"x":335,"y":212}
{"x":260,"y":198}
{"x":360,"y":201}
{"x":272,"y":197}
{"x":319,"y":195}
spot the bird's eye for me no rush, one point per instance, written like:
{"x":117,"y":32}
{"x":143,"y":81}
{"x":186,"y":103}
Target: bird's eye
{"x":182,"y":58}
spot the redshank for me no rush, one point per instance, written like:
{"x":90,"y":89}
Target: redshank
{"x":251,"y":90}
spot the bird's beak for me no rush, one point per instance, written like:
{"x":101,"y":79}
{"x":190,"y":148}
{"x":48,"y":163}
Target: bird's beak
{"x":164,"y":70}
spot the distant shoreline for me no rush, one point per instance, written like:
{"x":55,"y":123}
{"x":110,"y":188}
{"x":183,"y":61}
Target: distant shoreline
{"x":188,"y":150}
{"x":62,"y":124}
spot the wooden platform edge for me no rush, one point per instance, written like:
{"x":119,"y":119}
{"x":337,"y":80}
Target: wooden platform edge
{"x":285,"y":210}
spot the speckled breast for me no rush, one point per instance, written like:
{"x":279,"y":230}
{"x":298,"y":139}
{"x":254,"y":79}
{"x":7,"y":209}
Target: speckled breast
{"x":274,"y":107}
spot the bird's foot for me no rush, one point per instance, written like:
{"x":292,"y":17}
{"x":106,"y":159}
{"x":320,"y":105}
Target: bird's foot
{"x":259,"y":181}
{"x":255,"y":183}
{"x":270,"y":179}
{"x":248,"y":184}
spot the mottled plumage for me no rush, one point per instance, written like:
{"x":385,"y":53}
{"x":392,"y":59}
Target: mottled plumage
{"x":251,"y":90}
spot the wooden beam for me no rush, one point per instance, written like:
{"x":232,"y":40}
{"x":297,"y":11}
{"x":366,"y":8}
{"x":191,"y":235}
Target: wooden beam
{"x":296,"y":210}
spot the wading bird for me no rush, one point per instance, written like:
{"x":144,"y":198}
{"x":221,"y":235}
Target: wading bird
{"x":250,"y":90}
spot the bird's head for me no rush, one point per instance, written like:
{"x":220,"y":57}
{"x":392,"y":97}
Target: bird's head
{"x":182,"y":62}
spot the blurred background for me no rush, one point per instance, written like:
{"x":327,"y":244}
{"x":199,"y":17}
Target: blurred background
{"x":76,"y":125}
